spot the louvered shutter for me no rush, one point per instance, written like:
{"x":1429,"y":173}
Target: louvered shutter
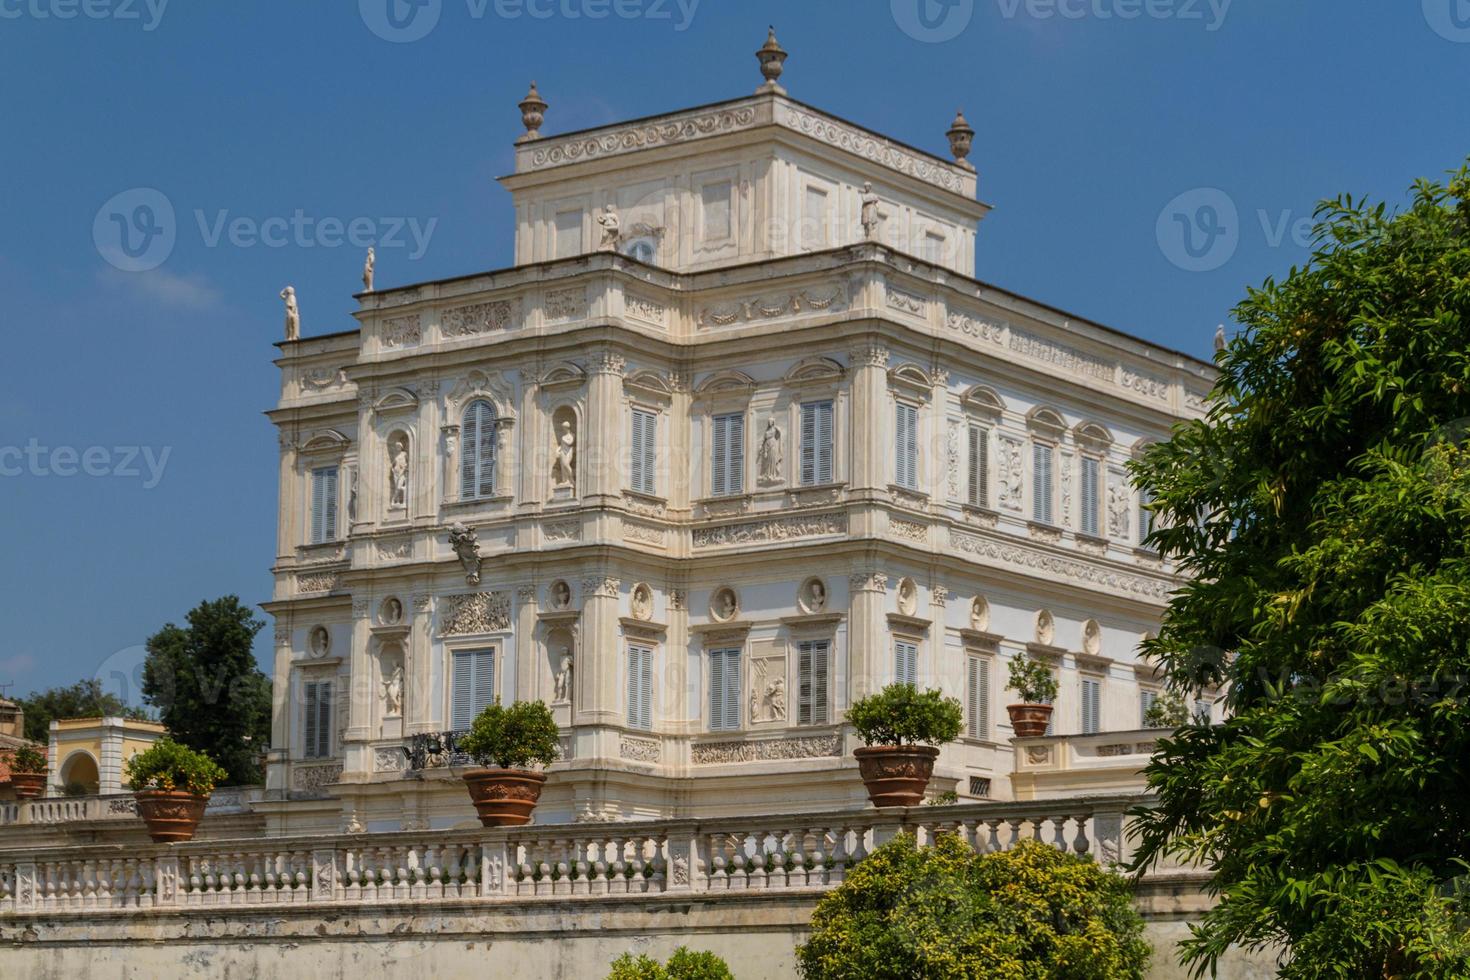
{"x":309,"y":721}
{"x":812,"y":682}
{"x":640,"y":687}
{"x":735,"y":454}
{"x":318,"y":508}
{"x":908,"y":446}
{"x":1091,"y":692}
{"x":1145,"y":516}
{"x":716,"y":689}
{"x":462,"y":694}
{"x":484,"y":681}
{"x":808,"y":443}
{"x":824,"y":442}
{"x":979,"y":697}
{"x":478,"y":447}
{"x":469,"y":448}
{"x":1146,"y":699}
{"x":724,"y":689}
{"x":324,"y":720}
{"x":906,"y":663}
{"x":719,"y":455}
{"x":1041,"y":486}
{"x":644,"y":451}
{"x":1091,"y":495}
{"x":979,"y":466}
{"x":331,"y":504}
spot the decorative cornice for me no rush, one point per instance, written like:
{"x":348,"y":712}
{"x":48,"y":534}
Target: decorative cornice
{"x":1054,"y":567}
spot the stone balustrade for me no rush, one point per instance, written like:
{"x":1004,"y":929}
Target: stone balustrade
{"x":715,"y":856}
{"x":48,"y":811}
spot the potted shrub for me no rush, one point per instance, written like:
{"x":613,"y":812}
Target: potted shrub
{"x":28,"y":772}
{"x":172,"y":783}
{"x":902,"y":729}
{"x":509,"y":739}
{"x":1035,"y":685}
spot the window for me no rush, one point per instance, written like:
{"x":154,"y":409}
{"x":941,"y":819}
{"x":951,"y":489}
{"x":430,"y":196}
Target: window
{"x":1145,"y":517}
{"x":979,"y":466}
{"x":479,"y":435}
{"x":568,"y":233}
{"x":905,"y":662}
{"x":641,"y":249}
{"x":640,"y":687}
{"x":474,"y":687}
{"x":980,"y":786}
{"x":724,"y":689}
{"x":1146,"y":699}
{"x":978,"y":697}
{"x":816,"y":443}
{"x":323,"y":504}
{"x":1091,"y":705}
{"x":1041,"y":483}
{"x":906,"y":431}
{"x":727,"y":455}
{"x":317,"y":720}
{"x":645,"y":451}
{"x":1091,"y":495}
{"x":1202,"y":712}
{"x":811,"y":682}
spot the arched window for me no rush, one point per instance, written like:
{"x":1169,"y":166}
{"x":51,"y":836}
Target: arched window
{"x":478,"y":436}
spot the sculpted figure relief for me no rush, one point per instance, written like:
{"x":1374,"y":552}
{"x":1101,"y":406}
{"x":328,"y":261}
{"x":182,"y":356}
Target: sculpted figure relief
{"x":293,"y":313}
{"x":562,"y":682}
{"x":770,"y":458}
{"x":466,"y":545}
{"x":611,"y":229}
{"x":561,"y":595}
{"x":393,"y":693}
{"x":398,"y":475}
{"x":872,"y":217}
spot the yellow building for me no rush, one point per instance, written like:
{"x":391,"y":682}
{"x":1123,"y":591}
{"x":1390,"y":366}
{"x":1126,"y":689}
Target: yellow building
{"x":86,"y":755}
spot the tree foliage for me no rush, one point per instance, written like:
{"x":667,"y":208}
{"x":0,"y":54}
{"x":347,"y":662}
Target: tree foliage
{"x":84,"y":699}
{"x":1323,"y":510}
{"x":167,"y":765}
{"x":208,"y":690}
{"x":945,"y":912}
{"x":901,"y":714}
{"x":685,"y":964}
{"x":513,"y":738}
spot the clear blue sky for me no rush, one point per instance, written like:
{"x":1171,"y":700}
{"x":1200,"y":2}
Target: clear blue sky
{"x":1090,"y":123}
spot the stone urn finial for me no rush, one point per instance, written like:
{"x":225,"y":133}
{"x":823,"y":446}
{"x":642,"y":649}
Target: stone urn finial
{"x":773,"y":59}
{"x":533,"y":114}
{"x":961,"y":137}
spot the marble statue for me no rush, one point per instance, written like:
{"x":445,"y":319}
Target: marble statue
{"x":776,"y":699}
{"x":563,"y":467}
{"x":352,"y":495}
{"x":816,"y":596}
{"x":1219,"y":338}
{"x":770,"y":458}
{"x":466,"y":545}
{"x":562,"y":683}
{"x":368,"y":265}
{"x":393,"y":693}
{"x":611,"y":229}
{"x":642,"y":602}
{"x":561,"y":595}
{"x":293,"y":313}
{"x":398,"y":477}
{"x":872,"y":216}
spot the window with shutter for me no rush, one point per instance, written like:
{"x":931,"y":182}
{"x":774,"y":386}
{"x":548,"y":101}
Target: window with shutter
{"x":479,"y":438}
{"x":906,"y":663}
{"x":1145,"y":516}
{"x":811,"y":674}
{"x":640,"y":687}
{"x":1146,"y":700}
{"x":323,"y":504}
{"x":816,"y":443}
{"x":1091,"y":496}
{"x":317,"y":720}
{"x":1041,"y":483}
{"x":979,"y":697}
{"x":473,"y":686}
{"x":907,"y":447}
{"x":1091,"y":706}
{"x":727,"y":455}
{"x":979,"y":466}
{"x":644,"y":462}
{"x":724,"y":690}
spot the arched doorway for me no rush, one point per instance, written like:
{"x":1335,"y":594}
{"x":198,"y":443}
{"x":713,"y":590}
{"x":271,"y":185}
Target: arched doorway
{"x":79,"y":775}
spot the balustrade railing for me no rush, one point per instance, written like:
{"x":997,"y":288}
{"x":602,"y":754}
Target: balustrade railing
{"x":745,"y":854}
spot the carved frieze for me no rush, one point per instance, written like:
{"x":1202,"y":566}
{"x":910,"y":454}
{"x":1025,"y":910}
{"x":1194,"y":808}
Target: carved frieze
{"x":638,"y":137}
{"x":308,"y":778}
{"x":873,"y":148}
{"x":401,"y":331}
{"x":717,"y":753}
{"x":475,"y":612}
{"x":319,"y":583}
{"x":909,"y":530}
{"x":905,"y":302}
{"x":753,"y":309}
{"x":566,"y":304}
{"x":641,"y":533}
{"x":554,"y":531}
{"x":394,"y":759}
{"x":639,"y":749}
{"x":776,"y":529}
{"x":645,"y":308}
{"x":1011,"y":473}
{"x":1059,"y":567}
{"x":478,"y":318}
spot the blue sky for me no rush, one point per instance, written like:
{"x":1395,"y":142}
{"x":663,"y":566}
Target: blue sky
{"x":1107,"y":130}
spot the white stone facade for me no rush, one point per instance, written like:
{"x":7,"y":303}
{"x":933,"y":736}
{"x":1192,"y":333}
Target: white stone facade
{"x":693,"y":479}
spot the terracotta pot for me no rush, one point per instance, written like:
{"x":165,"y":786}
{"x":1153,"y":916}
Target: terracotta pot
{"x":1029,"y":720}
{"x":504,"y":797}
{"x":28,"y":785}
{"x":171,"y":815}
{"x":896,"y":775}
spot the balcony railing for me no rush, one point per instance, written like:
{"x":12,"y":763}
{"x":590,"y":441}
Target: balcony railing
{"x":115,"y":806}
{"x":732,"y":855}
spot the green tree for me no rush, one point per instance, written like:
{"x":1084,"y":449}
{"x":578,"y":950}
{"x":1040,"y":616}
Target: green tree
{"x":208,"y":690}
{"x":685,"y":964}
{"x":84,"y":699}
{"x":1322,"y":511}
{"x":944,"y":912}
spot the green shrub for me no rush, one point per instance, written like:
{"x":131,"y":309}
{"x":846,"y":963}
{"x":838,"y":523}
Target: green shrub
{"x":901,"y":715}
{"x":1167,"y":711}
{"x":28,"y":759}
{"x":1032,"y":680}
{"x":947,"y":913}
{"x":168,"y":765}
{"x":514,"y":737}
{"x":685,"y":964}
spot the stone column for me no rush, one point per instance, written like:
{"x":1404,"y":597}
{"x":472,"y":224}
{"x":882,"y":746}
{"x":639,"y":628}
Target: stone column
{"x":867,"y":635}
{"x":869,"y":426}
{"x":418,"y":709}
{"x":681,"y":704}
{"x":596,"y":677}
{"x":275,"y":773}
{"x":601,"y":473}
{"x":109,"y":762}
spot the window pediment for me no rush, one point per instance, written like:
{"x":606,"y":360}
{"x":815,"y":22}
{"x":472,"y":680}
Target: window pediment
{"x":815,"y":370}
{"x":982,"y":400}
{"x":912,"y":379}
{"x":726,"y":382}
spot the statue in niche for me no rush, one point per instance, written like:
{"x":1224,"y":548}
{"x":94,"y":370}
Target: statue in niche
{"x":563,"y":467}
{"x":293,"y":313}
{"x":562,"y":682}
{"x":368,"y":266}
{"x":611,"y":229}
{"x":466,"y":545}
{"x":393,"y":693}
{"x":770,"y":458}
{"x":642,"y":602}
{"x":352,"y":495}
{"x":561,"y":595}
{"x":872,"y":216}
{"x":398,"y":475}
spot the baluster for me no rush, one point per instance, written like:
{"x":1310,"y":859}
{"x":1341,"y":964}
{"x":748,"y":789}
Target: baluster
{"x":796,"y":864}
{"x":617,"y":869}
{"x":526,"y":871}
{"x":1036,"y":823}
{"x":637,"y":864}
{"x":598,"y":885}
{"x":1059,"y":840}
{"x":739,"y":863}
{"x":859,"y":844}
{"x":719,"y":877}
{"x":658,"y":863}
{"x":582,"y":859}
{"x":1015,"y":825}
{"x":403,"y":869}
{"x":368,"y":876}
{"x":1081,"y":844}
